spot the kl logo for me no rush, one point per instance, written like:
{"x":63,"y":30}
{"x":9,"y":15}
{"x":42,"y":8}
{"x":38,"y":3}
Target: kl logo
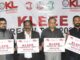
{"x":7,"y":5}
{"x":10,"y":5}
{"x":71,"y":3}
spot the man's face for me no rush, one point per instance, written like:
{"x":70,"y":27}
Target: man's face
{"x":52,"y":23}
{"x":2,"y":25}
{"x":77,"y":22}
{"x":27,"y":26}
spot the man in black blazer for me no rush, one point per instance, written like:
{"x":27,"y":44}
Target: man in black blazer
{"x":28,"y":32}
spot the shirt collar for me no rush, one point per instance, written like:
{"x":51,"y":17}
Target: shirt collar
{"x":27,"y":34}
{"x":50,"y":29}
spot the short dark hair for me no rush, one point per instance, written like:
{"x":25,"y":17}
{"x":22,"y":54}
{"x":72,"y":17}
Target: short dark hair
{"x":75,"y":17}
{"x":3,"y":19}
{"x":29,"y":21}
{"x":51,"y":18}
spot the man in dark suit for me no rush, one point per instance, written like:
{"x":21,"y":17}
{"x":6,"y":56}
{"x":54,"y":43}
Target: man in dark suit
{"x":51,"y":32}
{"x":28,"y":33}
{"x":75,"y":31}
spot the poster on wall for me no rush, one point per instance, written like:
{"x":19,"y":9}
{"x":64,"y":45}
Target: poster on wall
{"x":38,"y":11}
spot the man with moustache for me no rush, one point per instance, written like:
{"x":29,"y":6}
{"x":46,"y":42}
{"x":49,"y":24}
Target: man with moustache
{"x":28,"y":33}
{"x":5,"y":34}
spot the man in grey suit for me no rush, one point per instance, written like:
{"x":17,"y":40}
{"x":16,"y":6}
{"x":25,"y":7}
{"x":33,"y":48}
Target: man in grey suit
{"x":5,"y":34}
{"x":51,"y":32}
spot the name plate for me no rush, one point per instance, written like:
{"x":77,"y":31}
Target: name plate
{"x":6,"y":46}
{"x":54,"y":45}
{"x":73,"y":44}
{"x":28,"y":45}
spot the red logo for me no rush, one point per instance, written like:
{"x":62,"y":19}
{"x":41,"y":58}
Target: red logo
{"x":29,"y":5}
{"x":10,"y":5}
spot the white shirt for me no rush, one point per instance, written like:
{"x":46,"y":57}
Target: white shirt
{"x":28,"y":54}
